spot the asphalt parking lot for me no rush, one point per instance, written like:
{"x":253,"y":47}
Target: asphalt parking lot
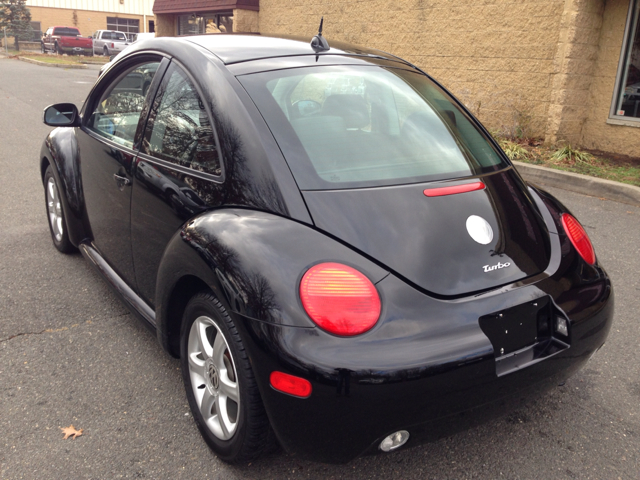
{"x":71,"y":353}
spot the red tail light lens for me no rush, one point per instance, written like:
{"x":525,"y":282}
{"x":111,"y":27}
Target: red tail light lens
{"x":286,"y":383}
{"x":340,"y":299}
{"x":579,"y":238}
{"x":467,"y":187}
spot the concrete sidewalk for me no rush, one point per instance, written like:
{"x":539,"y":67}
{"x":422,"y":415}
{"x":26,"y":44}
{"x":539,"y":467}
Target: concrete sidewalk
{"x":584,"y":184}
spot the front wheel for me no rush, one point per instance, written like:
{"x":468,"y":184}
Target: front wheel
{"x":219,"y":382}
{"x":56,"y":214}
{"x":42,"y":49}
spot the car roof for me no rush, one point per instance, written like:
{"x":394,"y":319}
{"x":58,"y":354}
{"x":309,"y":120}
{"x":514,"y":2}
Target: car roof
{"x":234,"y":48}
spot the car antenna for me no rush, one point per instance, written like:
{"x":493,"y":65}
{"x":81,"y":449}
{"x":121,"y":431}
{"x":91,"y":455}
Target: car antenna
{"x":319,"y":43}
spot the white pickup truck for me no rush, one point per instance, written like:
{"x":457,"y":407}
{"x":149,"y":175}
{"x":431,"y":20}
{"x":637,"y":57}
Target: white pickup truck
{"x":109,"y":42}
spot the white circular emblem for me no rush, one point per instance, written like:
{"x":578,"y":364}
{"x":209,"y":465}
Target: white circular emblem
{"x":479,"y":229}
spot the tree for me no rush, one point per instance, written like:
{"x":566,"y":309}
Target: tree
{"x":16,"y":17}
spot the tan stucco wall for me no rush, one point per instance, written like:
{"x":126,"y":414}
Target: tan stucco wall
{"x":548,"y":65}
{"x":88,"y":21}
{"x":166,"y":25}
{"x":245,"y":21}
{"x":596,"y":133}
{"x":573,"y":70}
{"x":497,"y":56}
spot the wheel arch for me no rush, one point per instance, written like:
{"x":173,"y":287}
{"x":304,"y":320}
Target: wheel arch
{"x":184,"y":290}
{"x":60,"y":152}
{"x":251,"y":261}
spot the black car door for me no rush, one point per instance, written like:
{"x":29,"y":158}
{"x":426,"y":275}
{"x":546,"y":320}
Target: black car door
{"x":113,"y":120}
{"x":177,"y":175}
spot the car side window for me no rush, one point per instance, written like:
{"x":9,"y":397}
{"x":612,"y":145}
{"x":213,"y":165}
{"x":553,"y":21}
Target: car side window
{"x":117,"y":113}
{"x":179,"y":129}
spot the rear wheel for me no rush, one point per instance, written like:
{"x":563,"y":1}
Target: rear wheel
{"x":59,"y":49}
{"x":56,"y":214}
{"x":219,"y":382}
{"x":105,"y":51}
{"x":42,"y":49}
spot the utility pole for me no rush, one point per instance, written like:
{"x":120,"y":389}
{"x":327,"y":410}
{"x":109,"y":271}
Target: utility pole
{"x":5,"y":40}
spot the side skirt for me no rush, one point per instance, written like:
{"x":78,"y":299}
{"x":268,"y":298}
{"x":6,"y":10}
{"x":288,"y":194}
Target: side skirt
{"x":126,"y":294}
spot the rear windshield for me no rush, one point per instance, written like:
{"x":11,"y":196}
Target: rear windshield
{"x":67,"y":32}
{"x":359,"y":126}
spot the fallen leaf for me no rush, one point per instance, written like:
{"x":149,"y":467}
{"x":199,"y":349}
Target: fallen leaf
{"x":71,"y":432}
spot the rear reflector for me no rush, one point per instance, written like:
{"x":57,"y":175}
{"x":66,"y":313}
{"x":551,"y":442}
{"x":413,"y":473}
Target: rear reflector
{"x":296,"y":386}
{"x":340,"y":299}
{"x":467,"y":187}
{"x":579,"y":238}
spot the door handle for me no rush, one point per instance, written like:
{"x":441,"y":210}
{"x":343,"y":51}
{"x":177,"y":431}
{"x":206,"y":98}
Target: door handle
{"x":121,"y":181}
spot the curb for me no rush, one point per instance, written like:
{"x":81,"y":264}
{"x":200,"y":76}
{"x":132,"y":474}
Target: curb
{"x":45,"y":64}
{"x":584,"y":184}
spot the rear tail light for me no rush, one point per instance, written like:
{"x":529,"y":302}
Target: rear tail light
{"x":296,"y":386}
{"x":579,"y":238}
{"x":340,"y":299}
{"x":113,"y":45}
{"x":464,"y":188}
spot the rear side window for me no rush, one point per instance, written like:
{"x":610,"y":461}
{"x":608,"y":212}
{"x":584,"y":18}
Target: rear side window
{"x":354,"y":126}
{"x":179,"y":129}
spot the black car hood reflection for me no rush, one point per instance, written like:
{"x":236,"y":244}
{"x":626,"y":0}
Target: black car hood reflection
{"x":425,"y":239}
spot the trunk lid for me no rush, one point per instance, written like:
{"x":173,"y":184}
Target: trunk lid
{"x":426,"y":241}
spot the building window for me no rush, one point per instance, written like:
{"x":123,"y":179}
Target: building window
{"x":206,"y":23}
{"x":127,"y":25}
{"x":626,"y":103}
{"x":37,"y":31}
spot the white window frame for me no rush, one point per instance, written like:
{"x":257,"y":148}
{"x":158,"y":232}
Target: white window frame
{"x":633,"y":23}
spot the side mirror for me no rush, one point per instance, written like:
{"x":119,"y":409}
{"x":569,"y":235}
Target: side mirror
{"x":61,"y":115}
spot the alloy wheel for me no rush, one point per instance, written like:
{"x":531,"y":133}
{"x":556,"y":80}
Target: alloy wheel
{"x":213,"y":377}
{"x":55,"y":210}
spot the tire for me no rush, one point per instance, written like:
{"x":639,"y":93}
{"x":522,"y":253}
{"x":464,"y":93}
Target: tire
{"x":105,"y":51}
{"x":58,"y":50}
{"x":220,"y":385}
{"x":56,"y":214}
{"x":42,"y":49}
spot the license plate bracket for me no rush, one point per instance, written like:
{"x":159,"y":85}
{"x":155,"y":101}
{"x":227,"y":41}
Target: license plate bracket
{"x":518,"y":327}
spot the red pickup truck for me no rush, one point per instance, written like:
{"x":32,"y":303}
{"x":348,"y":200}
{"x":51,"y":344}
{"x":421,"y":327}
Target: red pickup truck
{"x":66,"y":40}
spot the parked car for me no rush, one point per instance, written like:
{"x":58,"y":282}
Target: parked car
{"x":65,"y":40}
{"x":137,"y":37}
{"x":109,"y":42}
{"x":338,"y":252}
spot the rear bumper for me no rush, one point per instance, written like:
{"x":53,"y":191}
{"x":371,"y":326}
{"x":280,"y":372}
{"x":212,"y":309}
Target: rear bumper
{"x":427,"y":367}
{"x":77,"y":50}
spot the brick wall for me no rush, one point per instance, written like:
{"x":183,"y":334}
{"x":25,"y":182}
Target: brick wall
{"x":88,"y":21}
{"x":597,"y":133}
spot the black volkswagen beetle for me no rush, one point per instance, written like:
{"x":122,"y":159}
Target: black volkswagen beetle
{"x":339,"y":253}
